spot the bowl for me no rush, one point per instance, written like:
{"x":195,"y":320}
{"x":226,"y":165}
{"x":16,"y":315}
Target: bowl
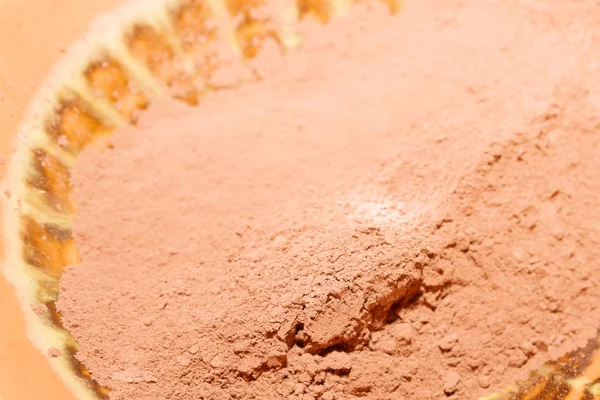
{"x":139,"y":54}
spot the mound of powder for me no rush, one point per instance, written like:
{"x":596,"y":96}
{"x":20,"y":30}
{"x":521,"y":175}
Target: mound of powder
{"x":404,"y":208}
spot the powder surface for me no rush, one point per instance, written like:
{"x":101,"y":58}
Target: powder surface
{"x":403,"y":208}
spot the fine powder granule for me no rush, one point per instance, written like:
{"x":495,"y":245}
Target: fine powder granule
{"x":403,"y":208}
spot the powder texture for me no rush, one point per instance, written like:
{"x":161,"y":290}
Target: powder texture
{"x":404,"y":208}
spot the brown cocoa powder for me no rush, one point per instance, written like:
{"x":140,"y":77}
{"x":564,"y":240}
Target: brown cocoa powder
{"x":404,"y":208}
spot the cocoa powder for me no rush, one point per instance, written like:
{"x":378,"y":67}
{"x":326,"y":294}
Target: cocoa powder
{"x":403,"y":208}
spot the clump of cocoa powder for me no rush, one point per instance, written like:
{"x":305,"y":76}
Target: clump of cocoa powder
{"x":403,"y":208}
